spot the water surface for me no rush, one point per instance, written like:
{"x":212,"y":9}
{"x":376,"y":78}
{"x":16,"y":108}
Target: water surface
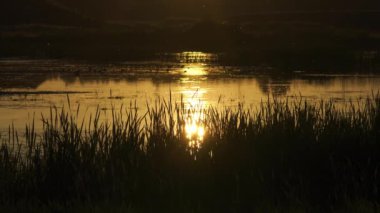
{"x":29,"y":89}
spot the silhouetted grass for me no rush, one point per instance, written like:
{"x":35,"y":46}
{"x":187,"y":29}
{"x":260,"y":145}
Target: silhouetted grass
{"x":282,"y":156}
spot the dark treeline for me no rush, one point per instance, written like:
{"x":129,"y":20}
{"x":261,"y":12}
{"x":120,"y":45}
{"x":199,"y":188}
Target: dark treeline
{"x":122,"y":9}
{"x":291,"y":35}
{"x":152,"y":9}
{"x":39,"y":11}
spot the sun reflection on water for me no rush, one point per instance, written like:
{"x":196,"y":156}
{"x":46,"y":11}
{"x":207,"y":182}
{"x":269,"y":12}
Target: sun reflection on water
{"x":193,"y":95}
{"x":194,"y":121}
{"x":194,"y":70}
{"x":196,"y":57}
{"x":195,"y":129}
{"x":195,"y":103}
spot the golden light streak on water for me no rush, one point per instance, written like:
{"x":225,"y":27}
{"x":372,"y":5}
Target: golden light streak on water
{"x":195,"y":102}
{"x":195,"y":129}
{"x":194,"y":70}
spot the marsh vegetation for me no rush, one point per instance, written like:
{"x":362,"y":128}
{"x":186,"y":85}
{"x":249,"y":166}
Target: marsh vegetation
{"x":284,"y":155}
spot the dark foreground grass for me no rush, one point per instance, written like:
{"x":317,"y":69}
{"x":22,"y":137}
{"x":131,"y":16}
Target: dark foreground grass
{"x":282,"y":157}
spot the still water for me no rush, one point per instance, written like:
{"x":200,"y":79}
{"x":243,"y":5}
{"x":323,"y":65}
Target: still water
{"x":28,"y":89}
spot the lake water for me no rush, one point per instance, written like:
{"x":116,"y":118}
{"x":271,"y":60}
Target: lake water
{"x":29,"y":88}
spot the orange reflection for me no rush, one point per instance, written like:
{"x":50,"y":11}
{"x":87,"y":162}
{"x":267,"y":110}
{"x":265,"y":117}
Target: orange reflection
{"x":194,"y":96}
{"x":194,"y":62}
{"x":196,"y":57}
{"x":195,"y":129}
{"x":194,"y":70}
{"x":195,"y":104}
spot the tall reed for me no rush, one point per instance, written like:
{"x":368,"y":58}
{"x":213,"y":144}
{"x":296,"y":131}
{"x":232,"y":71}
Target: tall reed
{"x":313,"y":154}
